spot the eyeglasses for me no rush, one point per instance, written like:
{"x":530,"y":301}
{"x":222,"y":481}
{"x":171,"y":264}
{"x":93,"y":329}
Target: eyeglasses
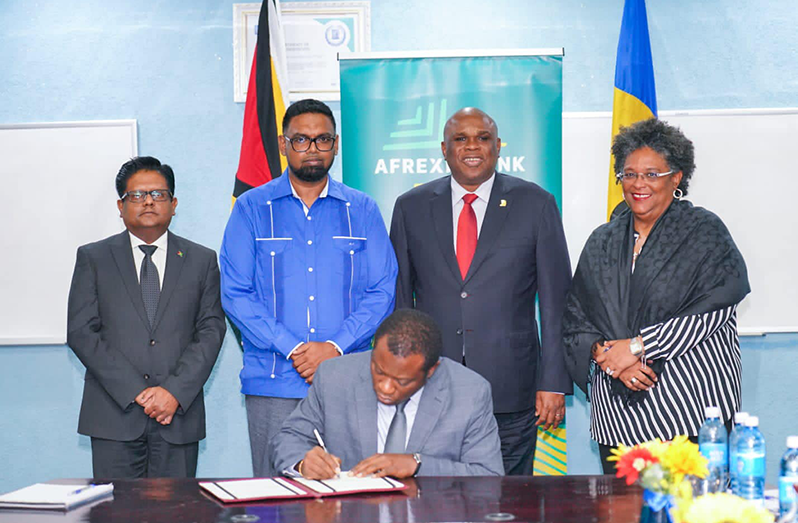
{"x":157,"y":195}
{"x":300,"y":143}
{"x":628,"y":177}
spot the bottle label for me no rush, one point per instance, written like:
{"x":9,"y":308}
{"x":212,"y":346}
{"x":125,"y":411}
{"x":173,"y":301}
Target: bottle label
{"x":751,"y":464}
{"x":786,"y":490}
{"x":715,"y":454}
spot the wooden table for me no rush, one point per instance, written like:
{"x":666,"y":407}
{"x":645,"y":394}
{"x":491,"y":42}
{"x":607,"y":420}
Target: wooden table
{"x":562,"y":499}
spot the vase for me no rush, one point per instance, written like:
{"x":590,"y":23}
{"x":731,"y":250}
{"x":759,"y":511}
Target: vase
{"x":656,"y":508}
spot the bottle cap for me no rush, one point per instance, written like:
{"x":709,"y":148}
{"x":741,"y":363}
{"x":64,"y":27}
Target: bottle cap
{"x":740,"y":417}
{"x":752,"y":421}
{"x":792,"y":442}
{"x":712,"y":412}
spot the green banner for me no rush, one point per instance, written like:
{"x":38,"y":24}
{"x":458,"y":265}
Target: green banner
{"x":393,"y":112}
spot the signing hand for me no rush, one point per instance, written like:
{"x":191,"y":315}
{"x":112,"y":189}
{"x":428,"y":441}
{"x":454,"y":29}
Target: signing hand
{"x":320,"y":465}
{"x":549,"y":408}
{"x":616,"y":358}
{"x":381,"y":465}
{"x":308,"y":356}
{"x":638,"y":377}
{"x":158,"y":403}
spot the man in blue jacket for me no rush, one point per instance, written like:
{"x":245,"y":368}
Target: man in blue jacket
{"x":308,"y":274}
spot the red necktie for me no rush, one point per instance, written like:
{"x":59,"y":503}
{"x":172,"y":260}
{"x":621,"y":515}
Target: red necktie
{"x":466,"y":234}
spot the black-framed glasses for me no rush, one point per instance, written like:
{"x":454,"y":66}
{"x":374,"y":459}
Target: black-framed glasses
{"x":301,"y":143}
{"x":628,"y":177}
{"x":157,"y":195}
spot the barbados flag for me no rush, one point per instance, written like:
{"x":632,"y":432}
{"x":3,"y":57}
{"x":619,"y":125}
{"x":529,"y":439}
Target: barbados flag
{"x":635,"y":94}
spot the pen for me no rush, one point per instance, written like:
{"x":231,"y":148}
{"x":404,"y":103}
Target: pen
{"x":82,"y":489}
{"x":324,"y":447}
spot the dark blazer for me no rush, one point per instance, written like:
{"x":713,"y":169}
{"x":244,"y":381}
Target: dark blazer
{"x":107,"y":328}
{"x":521,"y":254}
{"x":454,"y":431}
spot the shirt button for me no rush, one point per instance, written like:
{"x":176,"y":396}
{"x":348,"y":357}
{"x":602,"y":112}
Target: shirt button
{"x":312,"y":298}
{"x":310,"y":269}
{"x":310,"y":217}
{"x":146,"y":376}
{"x":312,"y":330}
{"x":273,"y":253}
{"x":310,"y":242}
{"x":464,"y":295}
{"x":269,"y":202}
{"x":459,"y":332}
{"x":351,"y":252}
{"x":152,"y":343}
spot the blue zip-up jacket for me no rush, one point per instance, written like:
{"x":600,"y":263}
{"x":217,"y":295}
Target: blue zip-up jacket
{"x":288,"y":278}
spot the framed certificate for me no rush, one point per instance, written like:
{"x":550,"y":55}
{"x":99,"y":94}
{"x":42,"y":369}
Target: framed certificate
{"x":315,"y":33}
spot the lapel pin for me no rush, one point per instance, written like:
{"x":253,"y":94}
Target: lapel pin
{"x":503,"y":203}
{"x":180,"y":253}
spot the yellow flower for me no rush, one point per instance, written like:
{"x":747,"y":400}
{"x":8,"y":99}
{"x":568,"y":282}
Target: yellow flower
{"x":723,"y":508}
{"x":682,"y":457}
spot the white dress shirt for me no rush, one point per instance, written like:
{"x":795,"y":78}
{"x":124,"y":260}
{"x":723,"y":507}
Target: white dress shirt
{"x":385,"y":414}
{"x":158,"y":257}
{"x":480,"y":205}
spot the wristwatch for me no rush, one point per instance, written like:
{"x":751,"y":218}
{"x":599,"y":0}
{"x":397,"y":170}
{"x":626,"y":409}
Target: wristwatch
{"x":417,"y":457}
{"x":636,"y":346}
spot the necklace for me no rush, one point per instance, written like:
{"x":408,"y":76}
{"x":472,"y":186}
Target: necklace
{"x":638,"y":247}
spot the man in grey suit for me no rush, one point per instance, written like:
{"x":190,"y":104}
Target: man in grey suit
{"x":475,"y":250}
{"x":145,"y":318}
{"x":400,"y":410}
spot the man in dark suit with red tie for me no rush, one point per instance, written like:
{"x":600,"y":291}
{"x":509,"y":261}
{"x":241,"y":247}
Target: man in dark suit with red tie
{"x":145,"y":318}
{"x":475,"y":250}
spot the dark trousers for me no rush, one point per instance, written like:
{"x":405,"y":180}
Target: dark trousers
{"x":609,"y":466}
{"x":149,"y":456}
{"x":518,"y":435}
{"x":265,"y":417}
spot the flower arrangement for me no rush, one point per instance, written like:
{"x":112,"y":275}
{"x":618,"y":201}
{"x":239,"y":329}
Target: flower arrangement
{"x":661,"y":468}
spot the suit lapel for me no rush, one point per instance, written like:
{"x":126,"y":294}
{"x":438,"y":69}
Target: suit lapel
{"x":492,"y":224}
{"x":123,"y":257}
{"x":366,"y":405}
{"x":444,"y":227}
{"x":430,"y":409}
{"x":174,"y":266}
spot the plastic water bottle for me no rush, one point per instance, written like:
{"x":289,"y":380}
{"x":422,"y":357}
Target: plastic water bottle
{"x":739,"y":420}
{"x":788,"y":476}
{"x":750,"y":465}
{"x":713,"y":444}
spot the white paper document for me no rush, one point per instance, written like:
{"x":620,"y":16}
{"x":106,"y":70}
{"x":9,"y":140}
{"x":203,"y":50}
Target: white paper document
{"x":54,"y":497}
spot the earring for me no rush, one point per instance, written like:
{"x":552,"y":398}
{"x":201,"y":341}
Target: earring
{"x":678,"y":193}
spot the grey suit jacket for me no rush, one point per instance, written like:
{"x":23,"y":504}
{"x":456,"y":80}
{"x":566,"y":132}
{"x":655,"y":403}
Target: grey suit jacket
{"x":454,"y":431}
{"x":108,"y":330}
{"x":521,"y":255}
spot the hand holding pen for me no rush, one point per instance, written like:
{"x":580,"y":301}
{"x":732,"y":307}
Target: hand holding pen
{"x":319,"y":463}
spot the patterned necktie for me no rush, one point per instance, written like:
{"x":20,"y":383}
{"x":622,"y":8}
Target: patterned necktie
{"x":466,"y":234}
{"x":397,"y":432}
{"x":150,"y":286}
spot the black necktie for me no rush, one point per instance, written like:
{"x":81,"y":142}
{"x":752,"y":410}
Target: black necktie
{"x":397,"y":432}
{"x":150,"y":286}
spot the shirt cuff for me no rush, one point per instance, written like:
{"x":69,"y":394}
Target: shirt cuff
{"x":553,"y":392}
{"x":340,"y":352}
{"x":295,"y":348}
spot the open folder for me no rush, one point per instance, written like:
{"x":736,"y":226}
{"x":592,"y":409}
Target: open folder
{"x":46,"y":496}
{"x":241,"y":490}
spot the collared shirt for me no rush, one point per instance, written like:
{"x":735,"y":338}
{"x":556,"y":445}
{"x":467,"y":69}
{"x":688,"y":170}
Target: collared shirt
{"x":158,"y":257}
{"x":385,"y":414}
{"x":291,"y":275}
{"x":480,"y":205}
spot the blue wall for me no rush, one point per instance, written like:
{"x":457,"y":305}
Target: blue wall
{"x":168,"y":64}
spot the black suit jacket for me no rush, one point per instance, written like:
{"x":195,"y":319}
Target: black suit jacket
{"x":107,"y":328}
{"x":521,"y":254}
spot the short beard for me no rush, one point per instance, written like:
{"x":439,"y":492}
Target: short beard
{"x":311,"y":174}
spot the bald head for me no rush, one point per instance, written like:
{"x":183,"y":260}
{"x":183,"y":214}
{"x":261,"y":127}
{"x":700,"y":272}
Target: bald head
{"x":470,"y":111}
{"x":471,"y":146}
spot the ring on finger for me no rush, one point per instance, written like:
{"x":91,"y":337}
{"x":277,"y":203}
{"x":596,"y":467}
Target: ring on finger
{"x":633,"y":380}
{"x":608,"y":371}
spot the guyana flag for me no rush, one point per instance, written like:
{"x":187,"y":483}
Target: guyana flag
{"x":267,"y":95}
{"x":635,"y":93}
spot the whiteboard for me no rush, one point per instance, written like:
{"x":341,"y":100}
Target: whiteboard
{"x":58,"y":188}
{"x":745,"y":173}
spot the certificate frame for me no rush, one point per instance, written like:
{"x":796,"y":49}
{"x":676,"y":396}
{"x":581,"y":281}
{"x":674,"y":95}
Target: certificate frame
{"x":346,"y":26}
